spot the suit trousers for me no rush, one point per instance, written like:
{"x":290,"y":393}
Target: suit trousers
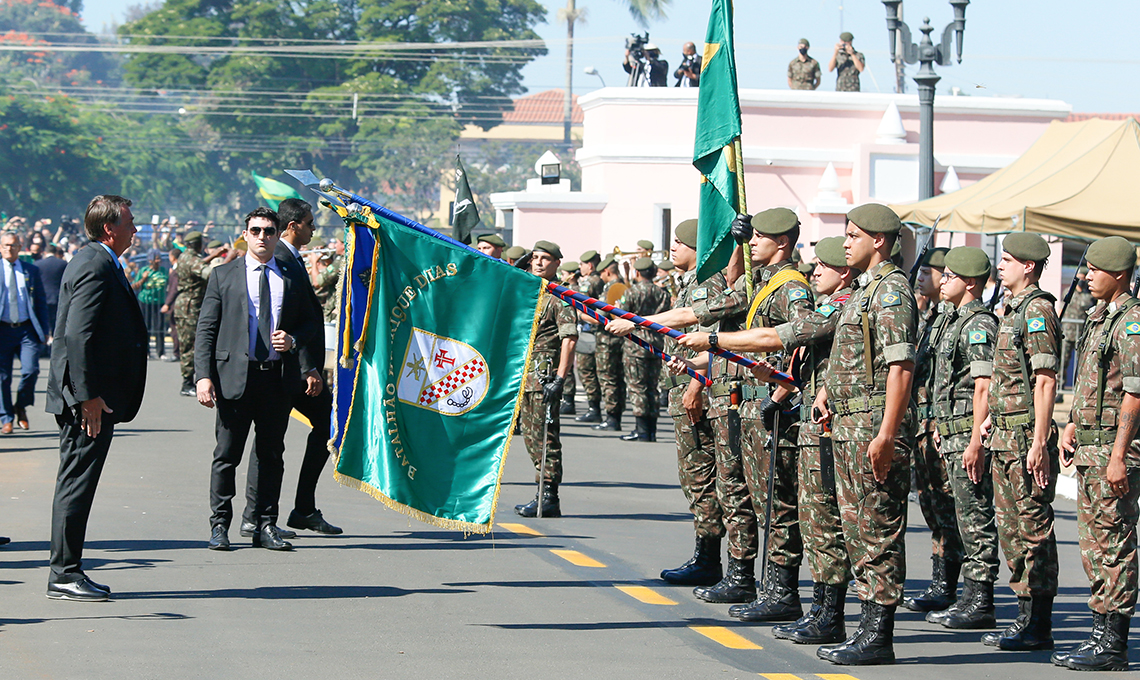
{"x":81,"y":460}
{"x":318,"y":411}
{"x":20,"y":342}
{"x":265,"y":405}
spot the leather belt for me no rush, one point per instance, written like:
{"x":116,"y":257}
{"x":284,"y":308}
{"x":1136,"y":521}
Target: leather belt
{"x":1096,"y":437}
{"x":1005,"y":422}
{"x":956,"y":426}
{"x":845,"y":407}
{"x":9,"y":324}
{"x":264,"y":365}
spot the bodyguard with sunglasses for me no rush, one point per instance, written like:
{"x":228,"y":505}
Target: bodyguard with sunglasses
{"x":255,"y":317}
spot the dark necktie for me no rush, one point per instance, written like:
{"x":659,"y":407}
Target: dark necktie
{"x":264,"y":317}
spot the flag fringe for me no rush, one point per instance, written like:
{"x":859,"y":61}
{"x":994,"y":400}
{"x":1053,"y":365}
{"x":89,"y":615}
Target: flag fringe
{"x":443,"y":523}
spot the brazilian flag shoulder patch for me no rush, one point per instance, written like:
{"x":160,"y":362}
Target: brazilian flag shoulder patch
{"x":701,"y":294}
{"x":1036,"y":324}
{"x":1132,"y":328}
{"x":797,"y":294}
{"x":826,"y":311}
{"x":890,"y":299}
{"x":977,"y":337}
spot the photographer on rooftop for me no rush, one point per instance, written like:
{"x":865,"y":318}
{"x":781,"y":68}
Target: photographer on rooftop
{"x":644,"y":64}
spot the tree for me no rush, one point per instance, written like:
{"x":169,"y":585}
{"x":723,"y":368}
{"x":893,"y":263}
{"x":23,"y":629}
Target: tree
{"x":34,"y":23}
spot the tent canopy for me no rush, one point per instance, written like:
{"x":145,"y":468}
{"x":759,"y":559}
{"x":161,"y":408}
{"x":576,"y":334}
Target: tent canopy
{"x":1078,"y":180}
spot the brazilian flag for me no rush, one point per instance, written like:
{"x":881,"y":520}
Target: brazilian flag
{"x":434,"y":338}
{"x":272,"y":191}
{"x":717,"y":139}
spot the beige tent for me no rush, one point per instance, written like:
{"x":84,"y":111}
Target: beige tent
{"x":1078,"y":180}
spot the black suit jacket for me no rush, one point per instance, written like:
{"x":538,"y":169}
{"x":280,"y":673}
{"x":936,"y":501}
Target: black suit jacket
{"x":312,"y":352}
{"x":100,"y":347}
{"x":221,"y":345}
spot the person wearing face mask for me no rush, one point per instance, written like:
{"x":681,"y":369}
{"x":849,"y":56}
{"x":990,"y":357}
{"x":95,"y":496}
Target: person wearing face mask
{"x":803,"y":71}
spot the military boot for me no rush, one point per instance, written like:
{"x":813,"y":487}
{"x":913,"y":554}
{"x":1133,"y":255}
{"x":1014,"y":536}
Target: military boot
{"x":188,"y":388}
{"x":784,"y":630}
{"x":550,"y":505}
{"x":964,"y":599}
{"x":1110,"y":653}
{"x":651,"y":426}
{"x":993,"y":638}
{"x":871,"y":644}
{"x":764,"y":590}
{"x":1036,"y":630}
{"x":783,"y":600}
{"x":703,"y":570}
{"x":939,"y":595}
{"x":566,"y":407}
{"x":612,"y":423}
{"x":978,"y":612}
{"x":593,"y":413}
{"x":738,"y":585}
{"x":1062,"y":658}
{"x":828,"y":625}
{"x":640,"y":431}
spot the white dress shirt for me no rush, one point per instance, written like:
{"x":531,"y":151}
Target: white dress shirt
{"x":253,"y":292}
{"x":23,"y":307}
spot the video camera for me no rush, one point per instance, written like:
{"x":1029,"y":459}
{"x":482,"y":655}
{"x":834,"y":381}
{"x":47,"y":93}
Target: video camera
{"x":636,"y":45}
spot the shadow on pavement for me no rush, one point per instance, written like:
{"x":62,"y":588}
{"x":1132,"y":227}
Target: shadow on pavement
{"x":617,"y":625}
{"x":554,"y":584}
{"x":157,"y":616}
{"x":644,"y":516}
{"x":287,"y":593}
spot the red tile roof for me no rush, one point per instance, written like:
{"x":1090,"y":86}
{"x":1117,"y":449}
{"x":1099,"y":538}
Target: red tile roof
{"x":1077,"y":117}
{"x":544,"y":107}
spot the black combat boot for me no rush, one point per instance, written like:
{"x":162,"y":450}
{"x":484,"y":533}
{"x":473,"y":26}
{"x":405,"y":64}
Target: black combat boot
{"x":978,"y":612}
{"x":593,"y":413}
{"x":871,"y":644}
{"x":738,"y":585}
{"x":1062,"y":658}
{"x":1110,"y":653}
{"x":993,"y":638}
{"x":651,"y":426}
{"x":640,"y":431}
{"x":783,"y":599}
{"x":188,"y":388}
{"x":939,"y":595}
{"x":550,"y":505}
{"x":785,"y":630}
{"x":828,"y":625}
{"x":703,"y":570}
{"x":964,"y":598}
{"x":567,"y":408}
{"x":764,"y":590}
{"x":612,"y":423}
{"x":1036,"y":630}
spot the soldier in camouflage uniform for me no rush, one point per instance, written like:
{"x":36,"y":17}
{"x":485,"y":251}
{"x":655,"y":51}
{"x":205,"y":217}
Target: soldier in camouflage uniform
{"x":803,"y":71}
{"x":935,"y":497}
{"x":642,"y":367}
{"x":868,"y":391}
{"x":193,"y":270}
{"x":696,"y":450}
{"x":324,"y":284}
{"x":1023,"y":440}
{"x":589,"y":283}
{"x":963,"y":365}
{"x":568,"y":276}
{"x":1074,"y":323}
{"x":1101,"y":437}
{"x":545,"y":376}
{"x":608,"y":357}
{"x":849,"y":63}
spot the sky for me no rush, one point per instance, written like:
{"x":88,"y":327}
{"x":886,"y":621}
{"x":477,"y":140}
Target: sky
{"x":1080,"y":53}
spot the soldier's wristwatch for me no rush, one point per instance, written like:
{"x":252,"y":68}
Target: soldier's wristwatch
{"x":713,"y":340}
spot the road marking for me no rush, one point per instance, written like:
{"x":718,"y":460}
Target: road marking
{"x":301,"y":419}
{"x":726,"y":637}
{"x":520,"y":529}
{"x":646,"y":595}
{"x":578,"y":559}
{"x":780,"y":676}
{"x":836,"y":676}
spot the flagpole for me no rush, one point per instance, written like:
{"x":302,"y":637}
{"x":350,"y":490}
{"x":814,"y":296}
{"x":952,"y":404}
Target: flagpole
{"x":742,"y":208}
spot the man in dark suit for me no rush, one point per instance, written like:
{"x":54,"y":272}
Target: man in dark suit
{"x":315,"y":403}
{"x":51,"y":267}
{"x":254,"y":319}
{"x":23,"y":330}
{"x":97,"y":376}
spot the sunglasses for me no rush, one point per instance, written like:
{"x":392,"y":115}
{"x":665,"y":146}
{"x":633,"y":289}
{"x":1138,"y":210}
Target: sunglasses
{"x":257,"y":231}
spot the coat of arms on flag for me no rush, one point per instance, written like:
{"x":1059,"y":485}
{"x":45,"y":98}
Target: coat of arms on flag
{"x":441,"y":374}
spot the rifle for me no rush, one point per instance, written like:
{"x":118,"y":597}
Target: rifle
{"x":995,"y":297}
{"x":922,"y":253}
{"x":1073,"y":285}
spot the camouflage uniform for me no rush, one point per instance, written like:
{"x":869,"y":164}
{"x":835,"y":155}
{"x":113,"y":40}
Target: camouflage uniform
{"x":192,"y":274}
{"x":846,"y":75}
{"x":1071,"y":327}
{"x":643,"y":369}
{"x":608,"y":360}
{"x":556,"y":322}
{"x":326,"y":288}
{"x":591,"y":285}
{"x":874,"y":514}
{"x":714,"y":303}
{"x":819,"y":508}
{"x":803,"y":74}
{"x":1107,"y":524}
{"x":1027,"y":338}
{"x":696,"y":448}
{"x":965,"y":353}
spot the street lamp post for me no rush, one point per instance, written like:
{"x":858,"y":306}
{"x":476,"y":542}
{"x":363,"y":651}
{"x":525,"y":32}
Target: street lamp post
{"x":927,"y":54}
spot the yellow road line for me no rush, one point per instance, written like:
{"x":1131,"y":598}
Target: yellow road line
{"x":646,"y":595}
{"x":726,"y":637}
{"x":836,"y":676}
{"x":301,"y":419}
{"x":578,"y":559}
{"x":521,"y":529}
{"x":780,"y":676}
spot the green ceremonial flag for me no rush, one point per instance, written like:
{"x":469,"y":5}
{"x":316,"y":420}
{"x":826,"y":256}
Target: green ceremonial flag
{"x":714,"y":155}
{"x":272,"y":191}
{"x":434,"y":342}
{"x":465,"y":215}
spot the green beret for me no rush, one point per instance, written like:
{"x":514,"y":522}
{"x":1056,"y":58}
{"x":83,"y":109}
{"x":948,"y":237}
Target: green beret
{"x":968,"y":261}
{"x":687,"y":233}
{"x":1028,"y":247}
{"x":590,"y":256}
{"x":1112,"y":254}
{"x":215,"y":243}
{"x":875,"y":218}
{"x":316,"y":243}
{"x":775,"y":221}
{"x":609,"y":259}
{"x":796,"y":256}
{"x":644,"y":264}
{"x":806,"y":268}
{"x":830,"y":251}
{"x":804,"y":42}
{"x":645,"y":245}
{"x":569,"y":266}
{"x":514,"y":252}
{"x":493,"y":239}
{"x":936,"y":258}
{"x":549,"y":247}
{"x":846,"y":36}
{"x":666,"y":265}
{"x":192,"y":236}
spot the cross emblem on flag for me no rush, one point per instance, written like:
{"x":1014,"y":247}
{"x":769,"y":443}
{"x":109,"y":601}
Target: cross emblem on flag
{"x":455,"y":381}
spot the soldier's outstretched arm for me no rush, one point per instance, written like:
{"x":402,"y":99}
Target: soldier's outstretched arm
{"x":673,"y":318}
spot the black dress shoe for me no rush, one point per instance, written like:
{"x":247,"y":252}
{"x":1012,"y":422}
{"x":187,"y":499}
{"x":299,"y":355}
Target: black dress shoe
{"x":76,"y":591}
{"x":314,"y":522}
{"x":4,"y":540}
{"x":270,"y":538}
{"x":97,"y":586}
{"x":219,"y":540}
{"x":248,"y":529}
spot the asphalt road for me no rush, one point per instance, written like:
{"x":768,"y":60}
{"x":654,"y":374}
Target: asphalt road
{"x":394,"y":598}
